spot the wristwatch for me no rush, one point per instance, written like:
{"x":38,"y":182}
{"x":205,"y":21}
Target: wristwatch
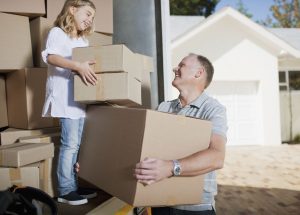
{"x":176,"y":168}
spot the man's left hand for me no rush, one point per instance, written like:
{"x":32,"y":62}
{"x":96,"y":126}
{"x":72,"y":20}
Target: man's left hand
{"x":152,"y":170}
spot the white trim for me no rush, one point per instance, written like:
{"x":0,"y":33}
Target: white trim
{"x":260,"y":31}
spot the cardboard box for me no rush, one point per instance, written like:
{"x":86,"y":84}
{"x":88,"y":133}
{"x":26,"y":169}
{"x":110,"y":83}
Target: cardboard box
{"x":39,"y":29}
{"x":12,"y":135}
{"x":115,"y":88}
{"x":110,"y":58}
{"x":25,"y":99}
{"x":48,"y":182}
{"x":22,"y":176}
{"x":115,"y":139}
{"x":44,"y":138}
{"x":30,"y":8}
{"x":117,"y":206}
{"x":3,"y":106}
{"x":98,"y":39}
{"x":103,"y":16}
{"x":147,"y":67}
{"x":21,"y":154}
{"x":15,"y":43}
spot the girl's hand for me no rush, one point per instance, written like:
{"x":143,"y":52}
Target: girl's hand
{"x":86,"y":73}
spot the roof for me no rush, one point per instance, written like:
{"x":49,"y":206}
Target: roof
{"x":290,"y":35}
{"x":283,"y":40}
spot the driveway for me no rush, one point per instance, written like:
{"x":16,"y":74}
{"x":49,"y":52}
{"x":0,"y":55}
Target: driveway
{"x":260,"y":180}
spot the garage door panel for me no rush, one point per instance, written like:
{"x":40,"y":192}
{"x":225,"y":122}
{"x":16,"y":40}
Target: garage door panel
{"x":240,"y":100}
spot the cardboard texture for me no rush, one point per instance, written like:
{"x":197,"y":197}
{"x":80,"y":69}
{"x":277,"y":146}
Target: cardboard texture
{"x":103,"y":16}
{"x":25,"y":99}
{"x":114,"y":88}
{"x":110,"y":58}
{"x":22,"y":176}
{"x":12,"y":135}
{"x":21,"y":154}
{"x":48,"y":181}
{"x":115,"y":139}
{"x":3,"y":105}
{"x":146,"y":65}
{"x":30,"y":8}
{"x":98,"y":39}
{"x":15,"y":42}
{"x":39,"y":29}
{"x":117,"y":206}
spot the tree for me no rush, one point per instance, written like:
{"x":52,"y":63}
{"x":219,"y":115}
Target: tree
{"x":286,"y":14}
{"x":242,"y":9}
{"x":193,"y":7}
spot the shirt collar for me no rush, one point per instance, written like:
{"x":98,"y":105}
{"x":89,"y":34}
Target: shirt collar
{"x":196,"y":103}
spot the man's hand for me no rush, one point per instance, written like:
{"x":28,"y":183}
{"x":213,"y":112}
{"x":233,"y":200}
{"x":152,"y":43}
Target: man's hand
{"x":86,"y":73}
{"x":152,"y":170}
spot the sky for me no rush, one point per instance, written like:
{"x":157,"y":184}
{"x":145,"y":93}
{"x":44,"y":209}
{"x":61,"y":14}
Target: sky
{"x":258,"y":8}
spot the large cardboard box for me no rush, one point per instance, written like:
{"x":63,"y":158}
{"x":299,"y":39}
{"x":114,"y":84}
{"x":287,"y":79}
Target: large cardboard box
{"x":3,"y":106}
{"x":22,"y":176}
{"x":103,"y":16}
{"x":117,"y":206}
{"x":15,"y":42}
{"x":25,"y":99}
{"x":115,"y":88}
{"x":39,"y":29}
{"x":13,"y":135}
{"x":115,"y":139}
{"x":30,"y":8}
{"x":21,"y":154}
{"x":110,"y":58}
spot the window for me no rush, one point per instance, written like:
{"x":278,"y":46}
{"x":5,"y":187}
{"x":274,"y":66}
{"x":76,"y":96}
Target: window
{"x":289,"y":80}
{"x":283,"y":81}
{"x":294,"y":80}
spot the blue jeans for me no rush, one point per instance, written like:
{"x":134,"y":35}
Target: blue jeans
{"x":71,"y":132}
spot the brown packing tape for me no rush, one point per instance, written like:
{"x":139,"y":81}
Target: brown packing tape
{"x":97,"y":54}
{"x":99,"y":87}
{"x":14,"y":174}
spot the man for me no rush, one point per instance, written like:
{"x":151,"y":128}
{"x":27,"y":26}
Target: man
{"x":193,"y":74}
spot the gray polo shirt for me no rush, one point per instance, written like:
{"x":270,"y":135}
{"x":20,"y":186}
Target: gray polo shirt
{"x":205,"y":108}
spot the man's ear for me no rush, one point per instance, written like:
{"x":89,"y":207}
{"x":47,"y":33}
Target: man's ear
{"x":199,"y":73}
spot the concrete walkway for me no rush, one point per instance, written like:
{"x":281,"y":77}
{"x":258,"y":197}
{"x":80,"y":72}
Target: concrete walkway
{"x":260,"y":180}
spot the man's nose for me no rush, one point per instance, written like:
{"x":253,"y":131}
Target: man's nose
{"x":175,"y":69}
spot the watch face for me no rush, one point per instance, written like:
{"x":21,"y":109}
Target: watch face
{"x":177,"y":170}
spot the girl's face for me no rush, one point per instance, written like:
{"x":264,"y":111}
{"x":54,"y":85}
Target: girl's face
{"x":83,"y":17}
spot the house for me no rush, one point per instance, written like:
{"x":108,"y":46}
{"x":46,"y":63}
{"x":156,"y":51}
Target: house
{"x":247,"y":58}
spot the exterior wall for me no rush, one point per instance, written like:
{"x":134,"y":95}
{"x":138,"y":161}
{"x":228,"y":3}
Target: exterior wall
{"x":290,"y":115}
{"x":238,"y":56}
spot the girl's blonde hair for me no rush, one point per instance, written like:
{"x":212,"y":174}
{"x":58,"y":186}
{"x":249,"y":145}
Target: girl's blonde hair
{"x":65,"y":20}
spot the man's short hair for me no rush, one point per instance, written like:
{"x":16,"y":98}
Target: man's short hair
{"x":208,"y":67}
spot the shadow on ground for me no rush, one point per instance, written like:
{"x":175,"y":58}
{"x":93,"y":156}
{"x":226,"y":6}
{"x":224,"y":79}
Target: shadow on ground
{"x":237,"y":200}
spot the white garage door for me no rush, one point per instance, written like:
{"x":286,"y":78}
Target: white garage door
{"x":243,"y":112}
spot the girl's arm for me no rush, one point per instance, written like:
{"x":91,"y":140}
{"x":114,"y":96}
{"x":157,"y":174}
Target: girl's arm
{"x":82,"y":69}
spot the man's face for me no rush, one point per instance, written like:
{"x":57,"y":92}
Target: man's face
{"x":186,"y":71}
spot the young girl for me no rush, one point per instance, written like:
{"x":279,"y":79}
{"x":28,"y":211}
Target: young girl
{"x":74,"y":22}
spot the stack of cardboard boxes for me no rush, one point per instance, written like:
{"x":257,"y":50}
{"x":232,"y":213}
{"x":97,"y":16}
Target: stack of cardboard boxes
{"x":29,"y":143}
